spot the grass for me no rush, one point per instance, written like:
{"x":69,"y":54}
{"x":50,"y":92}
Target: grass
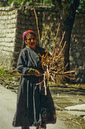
{"x":2,"y":72}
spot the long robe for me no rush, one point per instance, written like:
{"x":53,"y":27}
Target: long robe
{"x":33,"y":106}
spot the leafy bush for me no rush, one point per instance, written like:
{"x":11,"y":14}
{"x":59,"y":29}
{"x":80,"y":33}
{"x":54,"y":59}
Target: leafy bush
{"x":20,"y":1}
{"x":81,"y":7}
{"x":17,"y":1}
{"x":2,"y":72}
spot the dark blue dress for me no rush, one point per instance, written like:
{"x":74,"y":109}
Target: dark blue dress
{"x":33,"y":106}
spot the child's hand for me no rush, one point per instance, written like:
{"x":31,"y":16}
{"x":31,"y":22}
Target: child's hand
{"x":38,"y":74}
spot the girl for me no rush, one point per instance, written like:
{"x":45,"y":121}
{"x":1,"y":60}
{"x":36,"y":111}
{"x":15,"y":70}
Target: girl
{"x":34,"y":108}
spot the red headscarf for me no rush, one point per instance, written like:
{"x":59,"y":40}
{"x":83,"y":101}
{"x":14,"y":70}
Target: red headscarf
{"x":26,"y":32}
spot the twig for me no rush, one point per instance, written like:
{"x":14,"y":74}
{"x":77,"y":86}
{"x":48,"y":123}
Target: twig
{"x":36,"y":17}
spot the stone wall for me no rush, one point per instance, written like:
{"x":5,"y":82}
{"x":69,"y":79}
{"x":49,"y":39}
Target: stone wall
{"x":77,"y":48}
{"x":8,"y":22}
{"x":13,"y":22}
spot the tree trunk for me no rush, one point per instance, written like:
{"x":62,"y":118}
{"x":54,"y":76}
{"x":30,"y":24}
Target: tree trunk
{"x":66,"y":25}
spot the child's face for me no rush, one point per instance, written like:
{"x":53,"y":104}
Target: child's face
{"x":31,"y":41}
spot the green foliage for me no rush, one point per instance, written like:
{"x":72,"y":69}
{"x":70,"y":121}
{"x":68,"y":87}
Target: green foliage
{"x":81,"y":7}
{"x":47,"y":2}
{"x":17,"y":1}
{"x":2,"y":72}
{"x":36,"y":1}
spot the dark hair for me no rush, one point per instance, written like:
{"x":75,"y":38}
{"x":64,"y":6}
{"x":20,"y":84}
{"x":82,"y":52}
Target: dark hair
{"x":28,"y":34}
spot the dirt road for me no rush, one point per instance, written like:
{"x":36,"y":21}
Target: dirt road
{"x":64,"y":119}
{"x":7,"y":110}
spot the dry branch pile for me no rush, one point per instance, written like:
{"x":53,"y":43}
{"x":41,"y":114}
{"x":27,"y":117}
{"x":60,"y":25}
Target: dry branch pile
{"x":53,"y":65}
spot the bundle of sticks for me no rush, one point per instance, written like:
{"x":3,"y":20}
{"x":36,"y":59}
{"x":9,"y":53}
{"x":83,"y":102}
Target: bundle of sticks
{"x":53,"y":64}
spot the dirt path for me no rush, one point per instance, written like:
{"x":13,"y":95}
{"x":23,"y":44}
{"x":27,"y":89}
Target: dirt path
{"x":70,"y":96}
{"x":64,"y":119}
{"x":7,"y":110}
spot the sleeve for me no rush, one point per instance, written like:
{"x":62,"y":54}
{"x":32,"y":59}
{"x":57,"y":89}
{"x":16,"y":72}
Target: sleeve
{"x":21,"y":64}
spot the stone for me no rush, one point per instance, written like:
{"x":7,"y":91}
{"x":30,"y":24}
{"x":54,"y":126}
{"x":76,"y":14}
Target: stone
{"x":4,"y":3}
{"x":84,"y":118}
{"x":77,"y":54}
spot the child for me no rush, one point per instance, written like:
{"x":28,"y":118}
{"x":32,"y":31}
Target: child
{"x":34,"y":108}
